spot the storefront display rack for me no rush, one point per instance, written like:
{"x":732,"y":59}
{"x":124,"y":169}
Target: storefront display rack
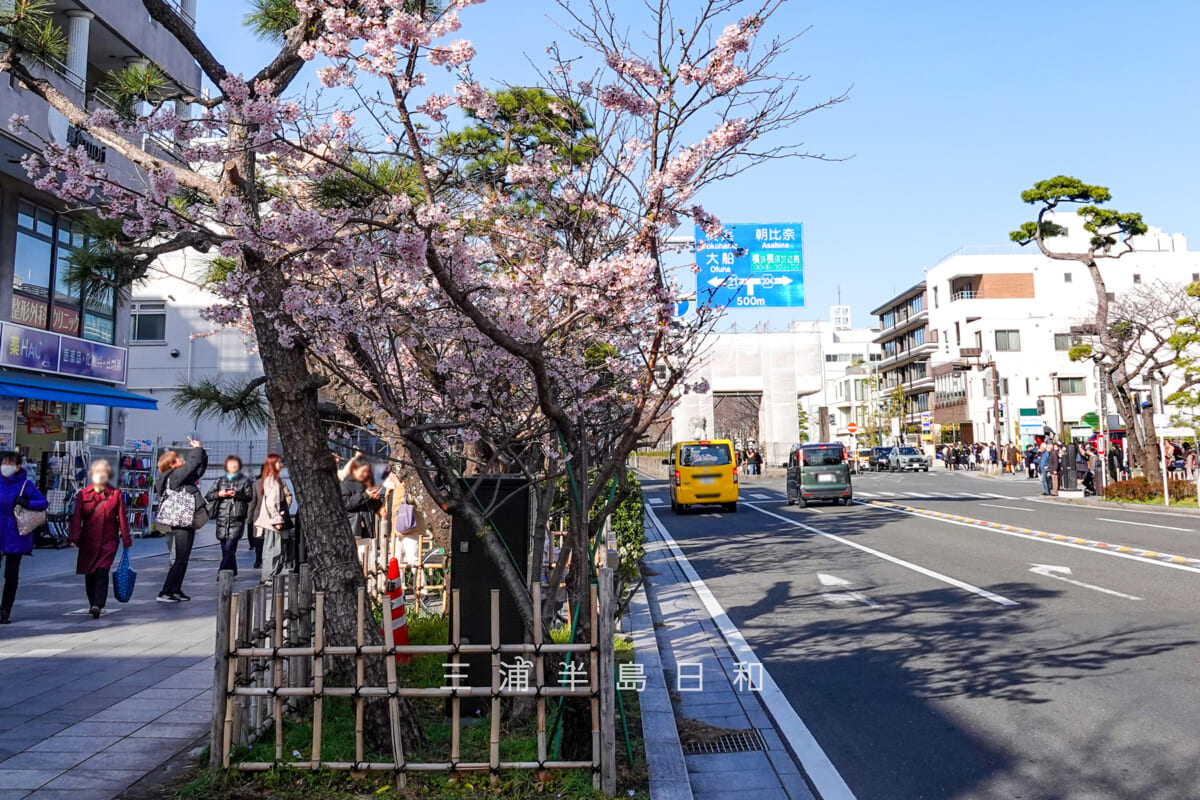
{"x":136,"y":482}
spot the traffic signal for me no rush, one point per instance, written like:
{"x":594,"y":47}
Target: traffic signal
{"x":1041,"y":407}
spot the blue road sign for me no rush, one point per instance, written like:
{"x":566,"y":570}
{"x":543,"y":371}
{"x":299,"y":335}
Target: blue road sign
{"x":758,"y":265}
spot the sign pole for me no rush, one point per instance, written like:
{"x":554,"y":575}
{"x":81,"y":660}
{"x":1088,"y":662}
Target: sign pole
{"x":1162,"y":463}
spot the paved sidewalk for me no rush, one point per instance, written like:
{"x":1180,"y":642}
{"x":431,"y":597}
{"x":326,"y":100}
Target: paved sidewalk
{"x":91,"y":707}
{"x":690,"y":641}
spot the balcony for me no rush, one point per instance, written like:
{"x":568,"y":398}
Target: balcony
{"x":966,"y":294}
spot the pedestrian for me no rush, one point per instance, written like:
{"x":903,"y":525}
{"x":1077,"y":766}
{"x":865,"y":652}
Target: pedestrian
{"x":15,"y":490}
{"x":1032,"y":459}
{"x":758,"y":463}
{"x":1055,"y":465}
{"x":1013,"y":459}
{"x":1044,"y":467}
{"x":271,"y":515}
{"x":972,"y":459}
{"x":98,"y":522}
{"x":179,"y":474}
{"x":361,"y":498}
{"x":1189,"y":461}
{"x":407,"y":524}
{"x":229,"y":501}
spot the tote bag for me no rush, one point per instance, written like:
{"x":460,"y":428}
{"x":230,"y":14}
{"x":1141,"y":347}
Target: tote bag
{"x":404,"y":519}
{"x":124,"y":578}
{"x":177,"y":510}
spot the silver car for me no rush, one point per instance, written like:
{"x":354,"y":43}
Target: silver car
{"x":903,"y":459}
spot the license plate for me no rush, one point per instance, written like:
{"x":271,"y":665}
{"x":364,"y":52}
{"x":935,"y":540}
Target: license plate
{"x":707,"y":478}
{"x":824,"y":479}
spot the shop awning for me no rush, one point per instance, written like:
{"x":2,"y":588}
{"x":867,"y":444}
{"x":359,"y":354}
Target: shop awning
{"x":68,"y":390}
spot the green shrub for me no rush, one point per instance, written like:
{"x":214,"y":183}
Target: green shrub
{"x":629,"y":525}
{"x":1140,"y":490}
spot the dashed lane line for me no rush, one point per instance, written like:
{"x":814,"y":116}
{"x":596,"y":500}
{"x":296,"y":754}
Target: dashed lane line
{"x":1144,"y":524}
{"x":995,"y":598}
{"x":655,"y":501}
{"x":1108,"y":548}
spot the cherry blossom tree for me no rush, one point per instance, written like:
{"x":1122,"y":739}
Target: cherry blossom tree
{"x":528,"y":316}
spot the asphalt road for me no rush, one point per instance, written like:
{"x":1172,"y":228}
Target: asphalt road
{"x":935,"y":659}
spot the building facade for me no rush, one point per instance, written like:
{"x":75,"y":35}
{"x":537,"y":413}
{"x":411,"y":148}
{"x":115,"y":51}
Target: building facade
{"x":761,"y":385}
{"x":996,"y":328}
{"x":64,"y":360}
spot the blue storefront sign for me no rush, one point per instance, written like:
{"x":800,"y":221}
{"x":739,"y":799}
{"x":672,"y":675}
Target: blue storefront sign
{"x":757,"y":265}
{"x":30,"y":348}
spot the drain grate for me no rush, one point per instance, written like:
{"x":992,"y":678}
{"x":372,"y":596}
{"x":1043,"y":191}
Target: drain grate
{"x":733,"y":742}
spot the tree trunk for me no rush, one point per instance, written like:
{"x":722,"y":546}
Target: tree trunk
{"x":292,"y":392}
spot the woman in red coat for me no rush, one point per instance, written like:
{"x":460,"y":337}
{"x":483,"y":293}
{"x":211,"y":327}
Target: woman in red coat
{"x":99,"y":519}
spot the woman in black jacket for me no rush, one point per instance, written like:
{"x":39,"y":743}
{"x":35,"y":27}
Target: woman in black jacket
{"x":179,"y":474}
{"x":229,"y":503}
{"x":361,"y":498}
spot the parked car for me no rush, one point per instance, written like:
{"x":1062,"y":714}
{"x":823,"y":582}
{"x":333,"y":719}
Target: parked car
{"x":877,"y":458}
{"x":818,"y":472}
{"x":903,"y":459}
{"x":703,"y":473}
{"x":861,"y":461}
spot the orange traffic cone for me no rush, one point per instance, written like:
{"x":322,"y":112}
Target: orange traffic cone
{"x":399,"y":617}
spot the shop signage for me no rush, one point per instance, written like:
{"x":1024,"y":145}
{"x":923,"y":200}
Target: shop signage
{"x":27,"y":311}
{"x":27,"y":348}
{"x":65,"y":320}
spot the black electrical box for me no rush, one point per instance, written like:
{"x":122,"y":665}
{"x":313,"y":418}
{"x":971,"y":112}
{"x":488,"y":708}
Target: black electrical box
{"x":508,"y":502}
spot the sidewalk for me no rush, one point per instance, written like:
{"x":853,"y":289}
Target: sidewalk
{"x":730,"y":745}
{"x":91,"y":707}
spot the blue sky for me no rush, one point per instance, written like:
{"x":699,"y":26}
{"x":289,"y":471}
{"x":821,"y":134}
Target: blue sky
{"x":954,"y":108}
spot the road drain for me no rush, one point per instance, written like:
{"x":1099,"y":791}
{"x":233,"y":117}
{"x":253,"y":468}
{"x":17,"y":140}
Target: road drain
{"x":732,"y":742}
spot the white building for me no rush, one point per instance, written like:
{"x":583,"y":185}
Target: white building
{"x":1015,"y":308}
{"x":760,"y":381}
{"x":172,"y":344}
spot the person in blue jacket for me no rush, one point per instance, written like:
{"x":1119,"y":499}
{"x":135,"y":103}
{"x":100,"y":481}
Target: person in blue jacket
{"x":16,"y":489}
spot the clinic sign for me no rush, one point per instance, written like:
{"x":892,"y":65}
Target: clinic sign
{"x":45,"y":351}
{"x":759,"y":265}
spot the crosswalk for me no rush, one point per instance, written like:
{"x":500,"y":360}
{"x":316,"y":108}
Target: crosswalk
{"x":933,"y":495}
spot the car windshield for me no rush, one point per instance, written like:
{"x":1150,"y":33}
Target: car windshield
{"x":909,"y":451}
{"x":822,"y":456}
{"x":705,"y":455}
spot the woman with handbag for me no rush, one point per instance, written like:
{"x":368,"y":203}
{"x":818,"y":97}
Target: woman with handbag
{"x":21,"y":505}
{"x":97,"y":524}
{"x":361,"y":498}
{"x":271,"y":514}
{"x":181,"y":511}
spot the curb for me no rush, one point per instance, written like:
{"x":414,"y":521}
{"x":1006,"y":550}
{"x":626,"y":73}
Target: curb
{"x":664,"y":754}
{"x":1182,"y":512}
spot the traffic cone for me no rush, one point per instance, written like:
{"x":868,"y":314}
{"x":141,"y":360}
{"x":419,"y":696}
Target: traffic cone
{"x":399,"y":617}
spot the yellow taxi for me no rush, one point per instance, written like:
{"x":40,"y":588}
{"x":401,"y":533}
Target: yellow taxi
{"x":703,"y":473}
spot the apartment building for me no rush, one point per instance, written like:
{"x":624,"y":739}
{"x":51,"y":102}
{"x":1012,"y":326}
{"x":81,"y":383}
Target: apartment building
{"x":65,"y":358}
{"x":984,"y":340}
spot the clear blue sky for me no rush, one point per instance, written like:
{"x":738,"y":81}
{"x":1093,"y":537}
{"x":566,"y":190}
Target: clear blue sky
{"x":954,"y":108}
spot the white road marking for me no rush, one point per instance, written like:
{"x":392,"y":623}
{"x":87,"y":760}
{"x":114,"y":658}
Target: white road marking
{"x":1144,"y":524}
{"x":866,"y":494}
{"x":845,"y":595}
{"x":760,"y":497}
{"x":995,"y":598}
{"x":1060,"y":573}
{"x":1010,"y":508}
{"x":656,"y":501}
{"x":820,"y":770}
{"x":999,"y":496}
{"x":912,"y":494}
{"x":1030,"y":537}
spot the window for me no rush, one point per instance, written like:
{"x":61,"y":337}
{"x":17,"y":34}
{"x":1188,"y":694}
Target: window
{"x":1066,"y":277}
{"x":823,"y":456}
{"x":45,"y":241}
{"x":99,"y":311}
{"x":1070,"y":385}
{"x":1196,"y":277}
{"x":1062,"y":341}
{"x":1110,"y":295}
{"x":1004,"y":386}
{"x":1008,"y":341}
{"x":705,"y":455}
{"x":935,"y":305}
{"x":148,"y":322}
{"x":1137,"y":278}
{"x":877,"y":356}
{"x":957,"y":335}
{"x":979,"y":339}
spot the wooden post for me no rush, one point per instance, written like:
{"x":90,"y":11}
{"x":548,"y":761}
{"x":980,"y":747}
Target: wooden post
{"x":494,"y":751}
{"x":305,"y":598}
{"x":257,"y":621}
{"x":277,"y":664}
{"x":220,"y":669}
{"x":245,"y":674}
{"x":593,"y":679}
{"x":318,"y":675}
{"x":607,"y":678}
{"x":359,"y":676}
{"x":455,"y":706}
{"x":230,"y":682}
{"x":538,"y":677}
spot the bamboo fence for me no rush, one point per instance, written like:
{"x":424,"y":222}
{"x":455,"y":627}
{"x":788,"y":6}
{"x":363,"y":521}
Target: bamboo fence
{"x":272,"y":663}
